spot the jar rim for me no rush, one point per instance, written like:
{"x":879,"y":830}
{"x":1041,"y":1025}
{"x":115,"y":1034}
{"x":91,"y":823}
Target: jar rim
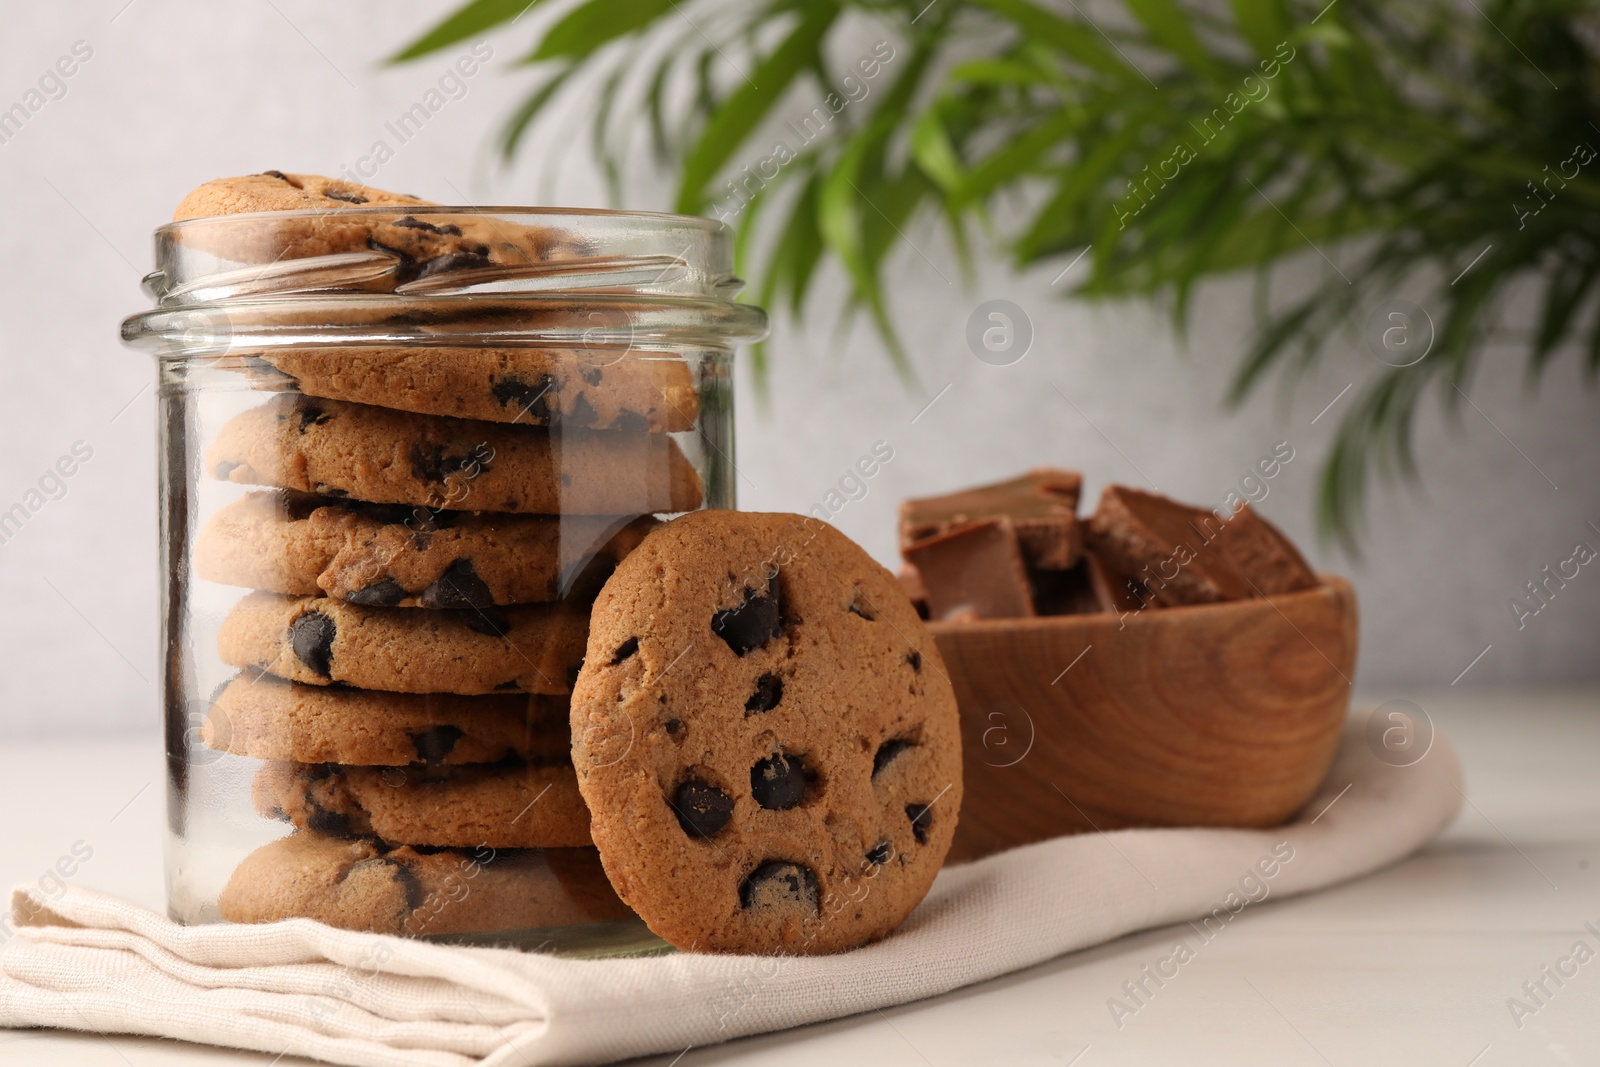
{"x":357,"y":211}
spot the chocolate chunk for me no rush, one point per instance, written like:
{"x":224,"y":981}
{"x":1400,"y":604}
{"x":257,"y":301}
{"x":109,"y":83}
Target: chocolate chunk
{"x":914,"y":658}
{"x":780,"y":883}
{"x":434,"y":744}
{"x":1042,"y":506}
{"x":530,"y":397}
{"x":583,"y":412}
{"x":750,"y":625}
{"x":879,"y":854}
{"x":921,"y":816}
{"x":410,"y":222}
{"x":974,"y":570}
{"x":1178,"y":554}
{"x":593,"y":375}
{"x":384,"y":594}
{"x":458,"y":587}
{"x":281,"y":176}
{"x":769,"y":690}
{"x":624,"y":650}
{"x":672,"y":726}
{"x":348,"y":198}
{"x":322,"y":821}
{"x":453,"y":261}
{"x":416,"y":894}
{"x":887,"y":752}
{"x":702,"y":809}
{"x":631,"y":422}
{"x":778,"y":782}
{"x":224,"y":468}
{"x":437,"y":464}
{"x":311,"y":636}
{"x":406,"y":270}
{"x":858,"y":608}
{"x":310,"y":415}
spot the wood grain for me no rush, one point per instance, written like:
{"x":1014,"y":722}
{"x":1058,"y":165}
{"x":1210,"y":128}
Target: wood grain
{"x":1213,"y":715}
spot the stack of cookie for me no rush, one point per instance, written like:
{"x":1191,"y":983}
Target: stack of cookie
{"x":426,"y":530}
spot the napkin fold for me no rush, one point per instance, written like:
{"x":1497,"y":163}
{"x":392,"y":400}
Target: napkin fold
{"x":88,"y":961}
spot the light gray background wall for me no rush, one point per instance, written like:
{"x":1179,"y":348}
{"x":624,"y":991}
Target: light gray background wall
{"x":177,"y":93}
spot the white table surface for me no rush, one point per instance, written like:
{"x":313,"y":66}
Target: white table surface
{"x":1413,"y":965}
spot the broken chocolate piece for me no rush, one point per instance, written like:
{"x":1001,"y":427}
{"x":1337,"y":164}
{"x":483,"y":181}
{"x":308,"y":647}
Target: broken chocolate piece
{"x":1042,"y":504}
{"x":1178,"y":554}
{"x":974,"y":570}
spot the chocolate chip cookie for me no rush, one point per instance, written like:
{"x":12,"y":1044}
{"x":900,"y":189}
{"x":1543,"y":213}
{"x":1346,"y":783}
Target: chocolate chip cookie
{"x":379,"y":888}
{"x":264,"y":717}
{"x":391,"y":555}
{"x":766,"y":736}
{"x":534,"y":648}
{"x":423,"y":240}
{"x":537,"y":386}
{"x":500,"y":805}
{"x":336,"y":448}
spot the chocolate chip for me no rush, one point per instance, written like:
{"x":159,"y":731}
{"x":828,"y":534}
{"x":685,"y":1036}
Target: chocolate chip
{"x":857,"y":609}
{"x":632,"y":422}
{"x":224,"y":468}
{"x":311,"y":636}
{"x":281,"y":176}
{"x":777,"y":883}
{"x":879,"y":854}
{"x":406,"y":270}
{"x":334,"y":823}
{"x":416,"y":893}
{"x":453,"y":261}
{"x":533,"y":398}
{"x":887,"y":752}
{"x":433,"y":745}
{"x":492,"y":623}
{"x":626,"y":649}
{"x":751,"y":624}
{"x":921,"y":816}
{"x":702,"y":809}
{"x":672,"y":726}
{"x":583,"y":412}
{"x":438,"y":464}
{"x":449,"y":229}
{"x":915,"y":659}
{"x":778,"y":782}
{"x":310,"y":415}
{"x":411,"y":222}
{"x":348,"y":198}
{"x":384,"y":594}
{"x":592,"y":375}
{"x":769,"y":690}
{"x":458,"y":587}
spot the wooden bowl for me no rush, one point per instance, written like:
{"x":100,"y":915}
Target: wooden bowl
{"x":1214,"y":715}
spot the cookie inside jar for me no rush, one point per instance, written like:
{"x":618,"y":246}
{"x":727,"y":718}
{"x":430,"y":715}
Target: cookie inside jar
{"x":404,"y":447}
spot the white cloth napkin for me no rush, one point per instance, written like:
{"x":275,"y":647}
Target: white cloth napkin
{"x":88,"y":961}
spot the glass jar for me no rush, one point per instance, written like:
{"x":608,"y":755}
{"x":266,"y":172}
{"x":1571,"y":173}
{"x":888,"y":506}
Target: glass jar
{"x":400,"y":452}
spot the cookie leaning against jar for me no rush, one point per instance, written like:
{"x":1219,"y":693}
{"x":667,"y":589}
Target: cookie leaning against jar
{"x":766,"y":737}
